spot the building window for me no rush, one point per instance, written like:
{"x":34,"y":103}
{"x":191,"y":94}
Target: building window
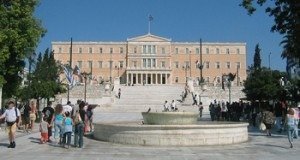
{"x":149,"y":49}
{"x":163,"y":51}
{"x":121,"y":50}
{"x":100,"y":64}
{"x":163,"y":64}
{"x":79,"y":64}
{"x":207,"y":50}
{"x":144,"y":63}
{"x":111,"y":50}
{"x":207,"y":65}
{"x":90,"y":50}
{"x":134,"y":50}
{"x":186,"y":51}
{"x":218,"y":51}
{"x":176,"y":64}
{"x":149,"y":63}
{"x":238,"y":65}
{"x":228,"y":65}
{"x":227,"y":50}
{"x":218,"y":65}
{"x":111,"y":64}
{"x":176,"y":51}
{"x":187,"y":64}
{"x":121,"y":64}
{"x":237,"y":51}
{"x":153,"y":49}
{"x":90,"y":64}
{"x":59,"y":50}
{"x":134,"y":64}
{"x":144,"y":49}
{"x":197,"y":50}
{"x":80,"y":50}
{"x":154,"y":63}
{"x":176,"y":79}
{"x":100,"y":50}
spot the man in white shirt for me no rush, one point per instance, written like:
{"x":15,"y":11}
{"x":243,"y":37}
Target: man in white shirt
{"x":67,"y":108}
{"x":12,"y":116}
{"x":166,"y":107}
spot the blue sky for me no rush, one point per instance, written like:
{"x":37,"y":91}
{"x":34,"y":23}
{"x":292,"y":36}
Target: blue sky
{"x":180,"y":20}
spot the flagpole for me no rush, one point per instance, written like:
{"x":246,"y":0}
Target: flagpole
{"x":70,"y":63}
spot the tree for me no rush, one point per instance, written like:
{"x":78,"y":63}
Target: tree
{"x":257,"y":59}
{"x":19,"y":35}
{"x":45,"y":78}
{"x":286,"y":14}
{"x":263,"y":84}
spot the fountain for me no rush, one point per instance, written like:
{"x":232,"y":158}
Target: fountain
{"x":172,"y":129}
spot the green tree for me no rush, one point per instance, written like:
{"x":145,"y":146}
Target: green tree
{"x":45,"y":78}
{"x":263,"y":85}
{"x":286,"y":14}
{"x":19,"y":35}
{"x":257,"y":59}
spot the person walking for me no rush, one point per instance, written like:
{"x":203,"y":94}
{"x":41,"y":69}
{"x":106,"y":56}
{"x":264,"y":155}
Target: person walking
{"x":68,"y":128}
{"x":58,"y":123}
{"x":200,"y":106}
{"x":119,"y":93}
{"x":26,"y":117}
{"x":166,"y":107}
{"x":32,"y":114}
{"x":48,"y":113}
{"x":44,"y":125}
{"x":290,"y":123}
{"x":268,"y":120}
{"x":79,"y":126}
{"x":13,"y":117}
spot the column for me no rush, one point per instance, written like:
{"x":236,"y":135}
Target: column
{"x":166,"y":78}
{"x":146,"y":75}
{"x":152,"y":80}
{"x":156,"y":77}
{"x":131,"y":77}
{"x":127,"y":78}
{"x":161,"y":78}
{"x":141,"y":81}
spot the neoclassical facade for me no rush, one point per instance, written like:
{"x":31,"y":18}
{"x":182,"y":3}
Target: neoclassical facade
{"x":151,"y":59}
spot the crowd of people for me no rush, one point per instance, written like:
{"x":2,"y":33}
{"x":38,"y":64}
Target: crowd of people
{"x":63,"y":120}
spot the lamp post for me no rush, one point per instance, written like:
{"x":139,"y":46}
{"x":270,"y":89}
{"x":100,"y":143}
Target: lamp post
{"x":201,"y":63}
{"x":270,"y":60}
{"x":85,"y":76}
{"x":186,"y":68}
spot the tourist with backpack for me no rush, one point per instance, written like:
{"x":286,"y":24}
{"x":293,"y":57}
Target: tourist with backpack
{"x":13,"y":118}
{"x":268,"y":119}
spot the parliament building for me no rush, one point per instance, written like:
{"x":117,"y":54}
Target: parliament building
{"x":151,"y":59}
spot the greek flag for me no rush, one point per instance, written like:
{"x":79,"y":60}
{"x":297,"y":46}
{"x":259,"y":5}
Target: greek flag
{"x":69,"y":75}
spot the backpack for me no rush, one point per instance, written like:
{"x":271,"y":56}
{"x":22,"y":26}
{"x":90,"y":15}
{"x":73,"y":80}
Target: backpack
{"x":89,"y":114}
{"x":268,"y":118}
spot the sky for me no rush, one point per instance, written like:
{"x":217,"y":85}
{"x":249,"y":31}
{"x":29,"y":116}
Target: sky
{"x":179,"y":20}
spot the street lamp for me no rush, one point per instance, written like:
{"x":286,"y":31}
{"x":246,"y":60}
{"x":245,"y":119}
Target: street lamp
{"x":186,"y":68}
{"x":270,"y":60}
{"x":85,"y":75}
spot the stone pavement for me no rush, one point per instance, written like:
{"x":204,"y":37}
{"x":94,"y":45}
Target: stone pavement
{"x":259,"y":146}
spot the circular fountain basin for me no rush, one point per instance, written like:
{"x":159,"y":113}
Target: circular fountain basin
{"x":199,"y":134}
{"x":170,"y":118}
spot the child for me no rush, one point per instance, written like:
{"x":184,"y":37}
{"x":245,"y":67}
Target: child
{"x":44,"y":130}
{"x":68,"y":124}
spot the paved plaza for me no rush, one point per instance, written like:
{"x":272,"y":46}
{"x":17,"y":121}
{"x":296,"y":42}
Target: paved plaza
{"x":258,"y":147}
